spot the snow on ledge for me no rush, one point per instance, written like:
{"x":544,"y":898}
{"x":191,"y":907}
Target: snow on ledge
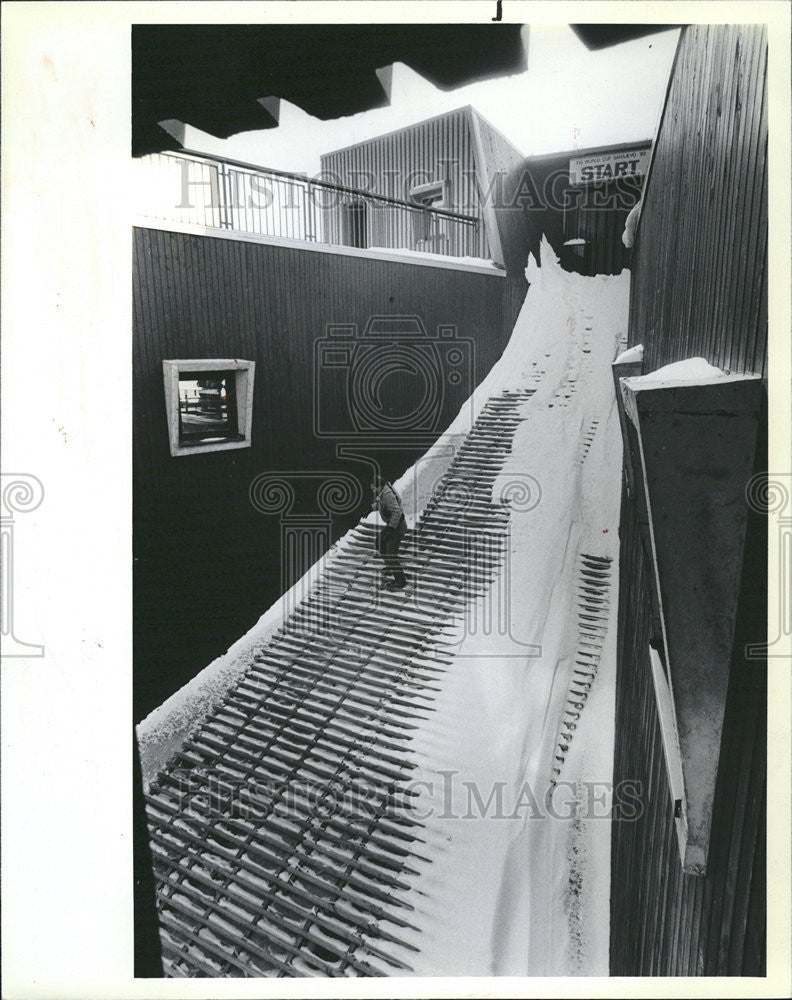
{"x":631,"y":356}
{"x":692,"y":371}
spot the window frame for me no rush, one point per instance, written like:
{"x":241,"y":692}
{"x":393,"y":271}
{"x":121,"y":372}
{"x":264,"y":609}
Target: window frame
{"x":243,"y":371}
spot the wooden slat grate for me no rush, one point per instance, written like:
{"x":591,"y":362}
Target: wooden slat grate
{"x":593,"y":602}
{"x":588,"y":439}
{"x":282,"y":830}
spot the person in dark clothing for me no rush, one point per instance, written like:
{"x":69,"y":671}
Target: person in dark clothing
{"x":388,"y":504}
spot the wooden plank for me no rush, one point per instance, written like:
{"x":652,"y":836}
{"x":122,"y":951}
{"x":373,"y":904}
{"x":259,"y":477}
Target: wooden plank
{"x":698,"y":282}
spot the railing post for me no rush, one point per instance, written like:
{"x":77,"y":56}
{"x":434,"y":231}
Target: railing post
{"x":310,"y":229}
{"x":223,"y":196}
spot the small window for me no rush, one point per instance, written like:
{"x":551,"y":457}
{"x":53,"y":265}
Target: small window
{"x":208,"y":404}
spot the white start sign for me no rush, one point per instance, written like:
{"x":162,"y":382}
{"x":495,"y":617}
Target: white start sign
{"x":608,"y":166}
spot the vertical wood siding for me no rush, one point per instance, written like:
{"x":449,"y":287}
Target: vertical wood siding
{"x":539,"y":193}
{"x":439,"y":149}
{"x":207,"y":563}
{"x":598,"y":215}
{"x":434,"y":150}
{"x":699,"y":284}
{"x":698,"y":288}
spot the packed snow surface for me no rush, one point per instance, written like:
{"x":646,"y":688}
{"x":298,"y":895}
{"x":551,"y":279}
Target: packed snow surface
{"x":520,"y":879}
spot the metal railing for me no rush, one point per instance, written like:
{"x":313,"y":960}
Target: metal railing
{"x":216,"y":193}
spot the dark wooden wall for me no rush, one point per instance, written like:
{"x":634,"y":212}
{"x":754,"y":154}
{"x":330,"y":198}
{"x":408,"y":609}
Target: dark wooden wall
{"x":698,"y":288}
{"x":207,"y":564}
{"x":598,"y":214}
{"x":699,"y":272}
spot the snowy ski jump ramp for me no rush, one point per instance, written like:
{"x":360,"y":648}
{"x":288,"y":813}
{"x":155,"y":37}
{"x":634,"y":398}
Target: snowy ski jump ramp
{"x":373,"y":784}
